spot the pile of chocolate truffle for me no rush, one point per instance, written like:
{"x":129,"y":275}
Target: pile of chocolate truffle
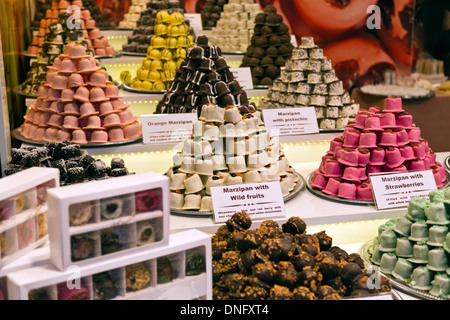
{"x":274,"y":262}
{"x":211,"y":12}
{"x":270,"y":47}
{"x":75,"y":164}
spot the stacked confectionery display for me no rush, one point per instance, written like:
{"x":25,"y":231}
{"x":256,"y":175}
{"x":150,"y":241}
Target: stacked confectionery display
{"x":309,"y":80}
{"x":140,"y":40}
{"x":131,"y":18}
{"x":283,"y":262}
{"x":224,"y":150}
{"x":166,"y":52}
{"x":376,"y":141}
{"x":92,"y":34}
{"x":211,"y":12}
{"x":75,"y":164}
{"x":100,"y":19}
{"x":229,"y":144}
{"x":234,"y":29}
{"x":55,"y":41}
{"x":203,"y":77}
{"x":414,"y":249}
{"x":79,"y":104}
{"x":270,"y":47}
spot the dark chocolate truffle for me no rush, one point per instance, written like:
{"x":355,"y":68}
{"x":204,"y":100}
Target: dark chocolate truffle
{"x":294,"y":225}
{"x":325,"y":241}
{"x":255,"y":292}
{"x":303,"y":293}
{"x":239,"y":221}
{"x":264,"y":271}
{"x":325,"y":291}
{"x":230,"y":261}
{"x":286,"y":274}
{"x":271,"y":248}
{"x":310,"y":278}
{"x":303,"y":259}
{"x":280,"y":293}
{"x":351,"y":273}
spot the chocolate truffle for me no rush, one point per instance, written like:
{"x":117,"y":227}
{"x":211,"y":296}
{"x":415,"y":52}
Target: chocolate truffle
{"x":303,"y":259}
{"x":272,"y":248}
{"x":325,"y":291}
{"x":310,"y":278}
{"x":264,"y":271}
{"x":255,"y":292}
{"x":303,"y":293}
{"x":325,"y":240}
{"x":280,"y":293}
{"x":218,"y":248}
{"x":239,"y":221}
{"x":250,"y":240}
{"x":351,"y":273}
{"x":230,"y":261}
{"x":294,"y":225}
{"x":286,"y":274}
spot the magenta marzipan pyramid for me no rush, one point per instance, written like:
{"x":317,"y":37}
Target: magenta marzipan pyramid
{"x":376,"y":141}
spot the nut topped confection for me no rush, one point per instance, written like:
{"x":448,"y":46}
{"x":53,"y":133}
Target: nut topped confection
{"x":279,"y":267}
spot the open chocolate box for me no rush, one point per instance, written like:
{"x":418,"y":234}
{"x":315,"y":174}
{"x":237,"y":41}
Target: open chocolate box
{"x":182,"y":270}
{"x":23,"y":211}
{"x":102,"y":219}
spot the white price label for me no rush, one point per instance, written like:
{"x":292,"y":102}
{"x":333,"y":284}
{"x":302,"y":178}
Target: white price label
{"x":291,"y":121}
{"x":395,"y":190}
{"x":259,"y":200}
{"x":243,"y":76}
{"x":163,"y":128}
{"x":195,"y":21}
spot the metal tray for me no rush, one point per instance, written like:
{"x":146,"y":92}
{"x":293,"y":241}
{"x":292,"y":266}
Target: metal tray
{"x":234,"y":53}
{"x":365,"y":253}
{"x":320,"y":194}
{"x":135,"y":54}
{"x":18,"y":91}
{"x":16,"y":134}
{"x":115,"y":55}
{"x":299,"y":185}
{"x":330,"y":130}
{"x":126,"y":87}
{"x":430,"y":94}
{"x":260,"y":87}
